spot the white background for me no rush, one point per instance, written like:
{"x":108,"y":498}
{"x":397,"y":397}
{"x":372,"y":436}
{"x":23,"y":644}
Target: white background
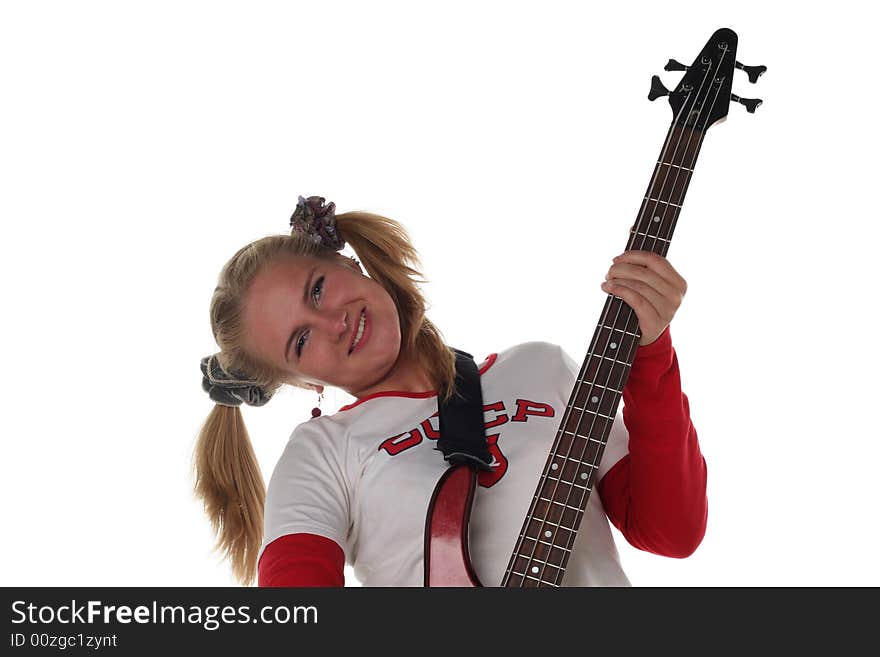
{"x":143,"y":143}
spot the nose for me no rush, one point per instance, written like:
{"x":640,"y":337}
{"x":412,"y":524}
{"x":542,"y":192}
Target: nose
{"x":333,"y":322}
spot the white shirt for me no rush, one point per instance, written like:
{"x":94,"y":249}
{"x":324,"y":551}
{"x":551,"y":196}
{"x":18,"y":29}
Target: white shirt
{"x":364,"y":476}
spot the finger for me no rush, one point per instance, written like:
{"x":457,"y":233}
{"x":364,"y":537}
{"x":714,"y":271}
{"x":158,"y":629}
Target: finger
{"x":641,"y":298}
{"x":656,"y":263}
{"x":662,"y":308}
{"x":623,"y":270}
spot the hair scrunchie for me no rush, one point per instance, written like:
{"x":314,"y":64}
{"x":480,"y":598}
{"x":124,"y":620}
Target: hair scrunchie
{"x":317,"y":222}
{"x":230,"y":389}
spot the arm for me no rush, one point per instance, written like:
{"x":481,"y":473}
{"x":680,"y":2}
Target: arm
{"x":656,"y":495}
{"x":301,"y":560}
{"x":306,"y":512}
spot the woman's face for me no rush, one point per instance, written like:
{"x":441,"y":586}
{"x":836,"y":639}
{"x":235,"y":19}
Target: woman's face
{"x":304,"y":315}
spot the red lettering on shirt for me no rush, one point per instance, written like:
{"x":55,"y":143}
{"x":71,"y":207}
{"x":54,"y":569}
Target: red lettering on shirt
{"x":500,"y":419}
{"x":430,"y":432}
{"x":430,"y":428}
{"x":395,"y":445}
{"x":524,"y":408}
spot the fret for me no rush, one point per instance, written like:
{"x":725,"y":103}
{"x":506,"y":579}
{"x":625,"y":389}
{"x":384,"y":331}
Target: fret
{"x":614,"y":360}
{"x":657,"y":200}
{"x":576,"y":443}
{"x":591,"y":412}
{"x":545,"y":563}
{"x":596,"y":385}
{"x":578,"y":461}
{"x":565,"y":491}
{"x":588,"y":438}
{"x":669,"y":184}
{"x":551,"y":513}
{"x":653,"y":237}
{"x":570,"y":483}
{"x":544,"y":499}
{"x":551,"y":545}
{"x":530,"y":560}
{"x":536,"y":527}
{"x":674,"y":166}
{"x":537,"y":571}
{"x":524,"y":576}
{"x":534,"y":579}
{"x":592,"y":440}
{"x":604,"y":401}
{"x":567,"y":538}
{"x":555,"y":524}
{"x":588,"y":410}
{"x":614,"y":328}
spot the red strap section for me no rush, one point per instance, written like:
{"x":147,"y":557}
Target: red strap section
{"x":301,"y":560}
{"x":656,"y":495}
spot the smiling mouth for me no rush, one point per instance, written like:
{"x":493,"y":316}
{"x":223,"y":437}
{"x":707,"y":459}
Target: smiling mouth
{"x":359,"y":331}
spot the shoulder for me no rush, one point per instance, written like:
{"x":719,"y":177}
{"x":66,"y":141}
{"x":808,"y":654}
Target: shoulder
{"x":534,"y":359}
{"x":316,"y":440}
{"x":533,"y":352}
{"x":328,"y":428}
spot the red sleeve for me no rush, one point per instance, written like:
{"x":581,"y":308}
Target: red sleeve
{"x":301,"y":560}
{"x":656,"y":495}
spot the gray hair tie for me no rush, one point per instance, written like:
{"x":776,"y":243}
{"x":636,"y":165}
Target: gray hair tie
{"x":230,"y":389}
{"x":316,"y":221}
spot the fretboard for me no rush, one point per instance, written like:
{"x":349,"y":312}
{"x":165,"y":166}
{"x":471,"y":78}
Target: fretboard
{"x":548,"y":533}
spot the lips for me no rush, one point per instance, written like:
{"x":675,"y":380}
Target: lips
{"x":364,"y":336}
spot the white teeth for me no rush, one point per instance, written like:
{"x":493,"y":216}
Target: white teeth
{"x":360,"y":332}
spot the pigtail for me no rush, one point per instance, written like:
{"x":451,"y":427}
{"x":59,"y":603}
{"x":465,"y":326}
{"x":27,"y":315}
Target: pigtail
{"x":230,"y":485}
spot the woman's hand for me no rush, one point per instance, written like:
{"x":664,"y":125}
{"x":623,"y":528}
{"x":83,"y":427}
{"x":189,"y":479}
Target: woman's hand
{"x":651,"y":287}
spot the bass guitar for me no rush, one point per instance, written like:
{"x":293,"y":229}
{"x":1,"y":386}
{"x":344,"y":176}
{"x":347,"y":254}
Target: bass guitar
{"x":539,"y":558}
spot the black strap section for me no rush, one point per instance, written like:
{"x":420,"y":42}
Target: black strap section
{"x":462,"y":432}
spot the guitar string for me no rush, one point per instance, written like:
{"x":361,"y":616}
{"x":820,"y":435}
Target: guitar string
{"x":568,"y":409}
{"x":635,"y":237}
{"x":652,"y":193}
{"x":566,"y":417}
{"x":554,"y":535}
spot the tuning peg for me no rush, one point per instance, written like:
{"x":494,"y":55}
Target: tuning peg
{"x":751,"y":104}
{"x":657,"y":89}
{"x":754,"y":72}
{"x":673,"y":65}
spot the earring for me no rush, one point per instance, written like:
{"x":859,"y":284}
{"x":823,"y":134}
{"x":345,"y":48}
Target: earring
{"x":316,"y":411}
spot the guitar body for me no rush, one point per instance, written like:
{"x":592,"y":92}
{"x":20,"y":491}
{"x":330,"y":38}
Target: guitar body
{"x":447,"y":562}
{"x":546,"y":539}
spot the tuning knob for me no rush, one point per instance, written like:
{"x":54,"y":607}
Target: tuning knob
{"x":673,"y":65}
{"x":657,"y":89}
{"x":751,"y":104}
{"x":754,"y":72}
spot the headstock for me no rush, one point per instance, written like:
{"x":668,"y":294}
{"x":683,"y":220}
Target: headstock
{"x":704,"y":92}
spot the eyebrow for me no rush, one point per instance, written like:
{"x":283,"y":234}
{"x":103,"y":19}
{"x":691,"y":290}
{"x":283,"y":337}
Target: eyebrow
{"x":305,"y":301}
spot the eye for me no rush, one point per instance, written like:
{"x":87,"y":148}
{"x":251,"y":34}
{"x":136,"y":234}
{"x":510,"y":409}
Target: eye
{"x":299,"y":344}
{"x":317,"y":289}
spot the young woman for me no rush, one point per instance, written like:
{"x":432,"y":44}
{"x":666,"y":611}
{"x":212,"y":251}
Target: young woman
{"x":355,"y":486}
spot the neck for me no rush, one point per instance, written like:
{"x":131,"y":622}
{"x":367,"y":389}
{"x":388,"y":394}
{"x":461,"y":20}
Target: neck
{"x":405,"y":376}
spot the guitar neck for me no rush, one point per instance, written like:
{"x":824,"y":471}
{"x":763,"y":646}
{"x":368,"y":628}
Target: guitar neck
{"x":548,"y":533}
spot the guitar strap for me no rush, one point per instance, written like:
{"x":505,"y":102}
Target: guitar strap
{"x":462,"y":430}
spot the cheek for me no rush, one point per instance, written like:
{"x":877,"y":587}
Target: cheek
{"x":385,"y":320}
{"x":317,"y":358}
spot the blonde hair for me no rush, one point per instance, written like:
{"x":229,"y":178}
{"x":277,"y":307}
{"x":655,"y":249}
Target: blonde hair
{"x":228,"y":479}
